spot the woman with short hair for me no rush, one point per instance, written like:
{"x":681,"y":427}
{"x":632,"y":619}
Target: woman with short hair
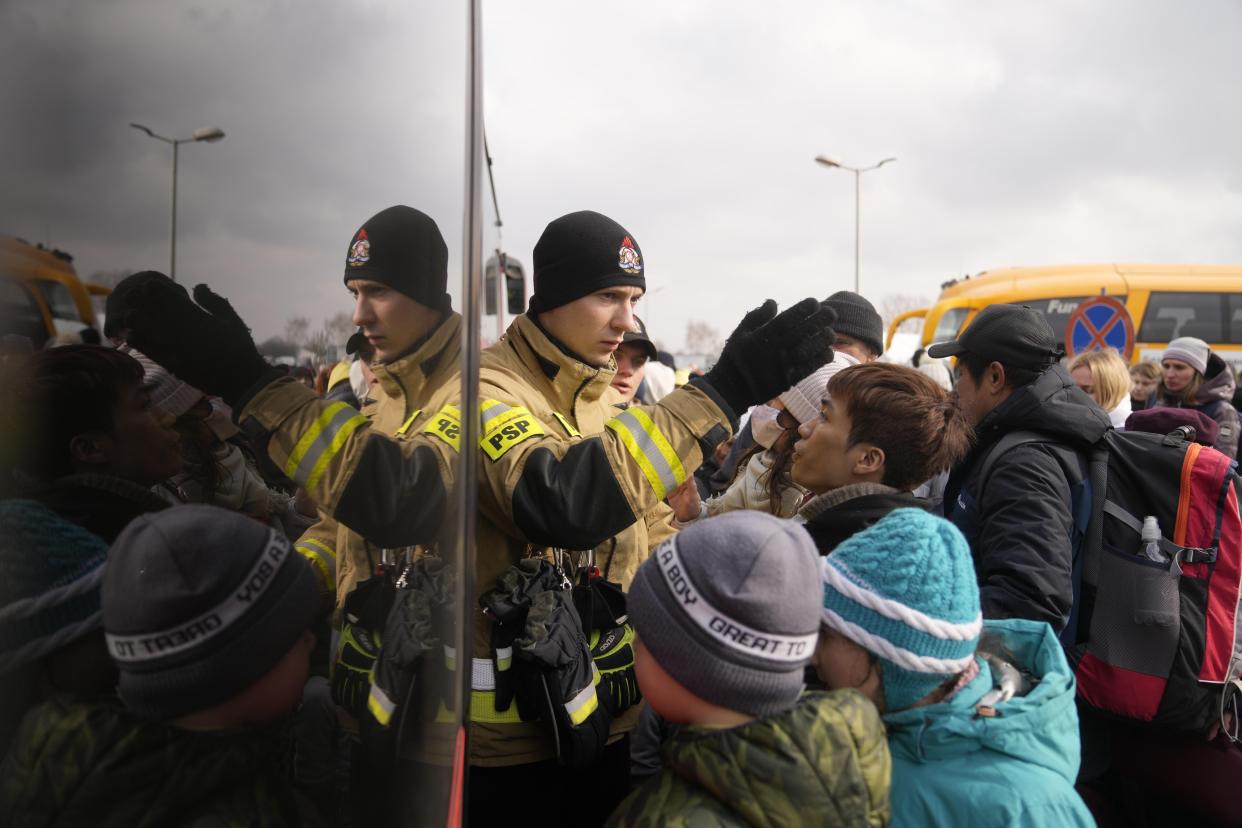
{"x":1103,"y":376}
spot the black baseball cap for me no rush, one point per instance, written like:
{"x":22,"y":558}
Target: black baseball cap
{"x":640,"y":336}
{"x":1012,"y":335}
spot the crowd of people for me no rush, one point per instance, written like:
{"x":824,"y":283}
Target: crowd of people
{"x":807,"y":586}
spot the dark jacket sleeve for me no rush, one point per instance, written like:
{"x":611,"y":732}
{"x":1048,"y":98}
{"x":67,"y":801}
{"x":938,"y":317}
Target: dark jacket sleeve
{"x":1226,"y":417}
{"x":1024,"y":546}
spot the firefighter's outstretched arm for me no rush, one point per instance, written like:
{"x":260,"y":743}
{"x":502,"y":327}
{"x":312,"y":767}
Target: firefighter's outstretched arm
{"x":392,"y":492}
{"x":577,"y":493}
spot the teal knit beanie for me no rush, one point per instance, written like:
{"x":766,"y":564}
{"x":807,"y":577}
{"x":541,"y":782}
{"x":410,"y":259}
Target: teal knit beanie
{"x":905,"y":590}
{"x":50,"y":576}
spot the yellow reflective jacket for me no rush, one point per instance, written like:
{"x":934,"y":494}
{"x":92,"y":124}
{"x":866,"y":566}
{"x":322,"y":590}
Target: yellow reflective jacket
{"x":411,"y":389}
{"x":563,"y":468}
{"x":559,"y":468}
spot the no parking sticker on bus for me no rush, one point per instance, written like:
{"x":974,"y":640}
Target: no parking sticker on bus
{"x":1099,"y":323}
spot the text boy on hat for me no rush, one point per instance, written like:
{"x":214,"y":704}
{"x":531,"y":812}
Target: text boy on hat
{"x":726,"y":614}
{"x":206,"y":614}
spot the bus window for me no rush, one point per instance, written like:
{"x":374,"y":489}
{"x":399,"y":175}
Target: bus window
{"x":59,"y":300}
{"x":1058,"y":310}
{"x":949,"y":324}
{"x":20,"y":313}
{"x":1233,"y":308}
{"x":1170,"y":315}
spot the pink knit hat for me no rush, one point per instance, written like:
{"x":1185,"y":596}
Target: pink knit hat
{"x":804,"y":399}
{"x":168,"y":394}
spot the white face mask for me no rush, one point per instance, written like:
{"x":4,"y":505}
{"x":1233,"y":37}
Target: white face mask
{"x":763,"y":426}
{"x":220,"y":420}
{"x":358,"y":382}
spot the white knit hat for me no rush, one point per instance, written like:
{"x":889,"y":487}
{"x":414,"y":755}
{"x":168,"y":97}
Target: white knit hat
{"x":168,"y":394}
{"x":804,"y":399}
{"x":1193,"y":352}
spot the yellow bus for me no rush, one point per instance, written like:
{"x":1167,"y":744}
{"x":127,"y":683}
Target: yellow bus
{"x":40,"y":293}
{"x":1164,"y":301}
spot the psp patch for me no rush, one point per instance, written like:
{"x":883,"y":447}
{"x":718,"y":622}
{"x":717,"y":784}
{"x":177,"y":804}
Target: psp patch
{"x":360,"y":250}
{"x":446,"y":424}
{"x":513,"y":427}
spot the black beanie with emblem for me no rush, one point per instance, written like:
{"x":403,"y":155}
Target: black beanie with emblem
{"x":199,"y":603}
{"x":857,"y":318}
{"x":581,"y":253}
{"x":402,"y":248}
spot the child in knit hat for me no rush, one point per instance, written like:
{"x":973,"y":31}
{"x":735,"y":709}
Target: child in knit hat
{"x":207,"y":616}
{"x":51,"y":624}
{"x":726,"y":615}
{"x":980,"y":734}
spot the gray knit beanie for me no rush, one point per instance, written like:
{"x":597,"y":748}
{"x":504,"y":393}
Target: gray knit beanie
{"x":730,"y":608}
{"x":857,"y":317}
{"x":198,"y":604}
{"x":1194,"y":352}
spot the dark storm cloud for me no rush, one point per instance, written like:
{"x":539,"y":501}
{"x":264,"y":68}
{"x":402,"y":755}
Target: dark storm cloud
{"x":332,"y":111}
{"x":1026,"y":134}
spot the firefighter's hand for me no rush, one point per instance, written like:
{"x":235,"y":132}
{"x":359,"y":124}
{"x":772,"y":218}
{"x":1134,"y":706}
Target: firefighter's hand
{"x":769,"y":352}
{"x":685,"y":501}
{"x":351,"y":674}
{"x":613,"y":653}
{"x":206,"y":344}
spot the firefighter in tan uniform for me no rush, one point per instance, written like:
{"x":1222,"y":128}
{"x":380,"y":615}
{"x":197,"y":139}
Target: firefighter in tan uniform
{"x":556,"y":472}
{"x":396,"y":269}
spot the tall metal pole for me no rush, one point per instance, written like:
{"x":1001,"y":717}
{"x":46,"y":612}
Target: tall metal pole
{"x":172,"y":245}
{"x":857,"y":171}
{"x":209,"y":134}
{"x":857,"y":211}
{"x":466,"y":486}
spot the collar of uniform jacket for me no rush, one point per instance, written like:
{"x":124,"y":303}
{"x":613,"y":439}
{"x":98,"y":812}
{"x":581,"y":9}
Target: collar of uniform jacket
{"x":416,"y":367}
{"x":568,"y":380}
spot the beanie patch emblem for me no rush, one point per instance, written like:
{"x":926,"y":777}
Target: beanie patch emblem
{"x":629,"y":260}
{"x":360,"y":250}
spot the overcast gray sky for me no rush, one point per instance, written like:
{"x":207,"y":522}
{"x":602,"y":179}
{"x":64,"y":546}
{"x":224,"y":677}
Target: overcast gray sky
{"x":1032,"y":133}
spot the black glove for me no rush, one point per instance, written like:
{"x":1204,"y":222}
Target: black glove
{"x":768,"y":353}
{"x":557,"y":676}
{"x":506,"y":607}
{"x":206,"y":345}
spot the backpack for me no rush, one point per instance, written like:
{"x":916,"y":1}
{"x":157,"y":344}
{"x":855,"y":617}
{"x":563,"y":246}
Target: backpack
{"x":1154,"y":640}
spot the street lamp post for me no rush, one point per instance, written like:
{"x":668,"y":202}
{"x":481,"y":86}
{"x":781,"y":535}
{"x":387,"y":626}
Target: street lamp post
{"x":857,"y":171}
{"x":208,"y":134}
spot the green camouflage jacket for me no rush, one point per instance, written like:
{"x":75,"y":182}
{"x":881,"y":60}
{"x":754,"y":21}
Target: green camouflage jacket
{"x":87,"y":763}
{"x":823,"y":762}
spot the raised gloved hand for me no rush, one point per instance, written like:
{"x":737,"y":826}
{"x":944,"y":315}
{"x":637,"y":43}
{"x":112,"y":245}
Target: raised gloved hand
{"x":613,"y":653}
{"x":769,"y":352}
{"x":206,"y":344}
{"x":557,"y":676}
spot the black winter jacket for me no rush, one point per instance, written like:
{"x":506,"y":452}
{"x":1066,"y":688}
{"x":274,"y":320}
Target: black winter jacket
{"x":1021,"y":529}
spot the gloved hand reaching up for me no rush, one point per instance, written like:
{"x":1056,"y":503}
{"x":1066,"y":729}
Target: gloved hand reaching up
{"x":769,"y":352}
{"x":206,"y":344}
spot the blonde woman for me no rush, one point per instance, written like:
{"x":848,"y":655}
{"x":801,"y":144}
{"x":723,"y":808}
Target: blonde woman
{"x":1104,"y":377}
{"x":1144,"y":377}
